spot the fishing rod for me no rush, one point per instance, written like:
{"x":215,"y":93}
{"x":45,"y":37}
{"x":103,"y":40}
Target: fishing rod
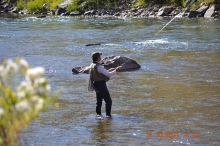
{"x":161,"y":29}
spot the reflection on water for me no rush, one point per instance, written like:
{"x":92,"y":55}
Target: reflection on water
{"x":176,"y":91}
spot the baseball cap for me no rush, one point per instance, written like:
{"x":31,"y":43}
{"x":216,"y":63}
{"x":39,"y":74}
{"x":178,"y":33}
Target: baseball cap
{"x":96,"y":54}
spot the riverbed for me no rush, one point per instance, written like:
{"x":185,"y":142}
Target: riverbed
{"x":173,"y":99}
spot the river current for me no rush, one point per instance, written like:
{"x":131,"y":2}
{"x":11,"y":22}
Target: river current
{"x":173,"y":99}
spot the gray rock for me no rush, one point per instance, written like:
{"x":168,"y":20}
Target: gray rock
{"x":2,"y":2}
{"x":115,"y":61}
{"x":60,"y":11}
{"x":24,"y":11}
{"x":44,"y":8}
{"x":84,"y":4}
{"x":193,"y":14}
{"x":15,"y":10}
{"x":64,"y":4}
{"x":165,"y":11}
{"x":75,"y":13}
{"x":2,"y":7}
{"x":211,"y":11}
{"x":202,"y":9}
{"x":92,"y":12}
{"x":43,"y":16}
{"x":61,"y":8}
{"x":176,"y":12}
{"x":199,"y":12}
{"x":112,"y":62}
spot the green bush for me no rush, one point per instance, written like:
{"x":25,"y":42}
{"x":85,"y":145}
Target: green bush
{"x":21,"y":101}
{"x":34,"y":5}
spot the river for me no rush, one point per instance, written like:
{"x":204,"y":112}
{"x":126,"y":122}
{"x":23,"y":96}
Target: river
{"x":173,"y":99}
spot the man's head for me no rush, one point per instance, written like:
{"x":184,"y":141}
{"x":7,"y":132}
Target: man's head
{"x":96,"y":56}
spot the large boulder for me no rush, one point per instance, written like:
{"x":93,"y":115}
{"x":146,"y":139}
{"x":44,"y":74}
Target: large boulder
{"x":61,"y":8}
{"x":212,"y":11}
{"x":199,"y":12}
{"x":60,"y":11}
{"x":202,"y":9}
{"x":128,"y":64}
{"x":115,"y":61}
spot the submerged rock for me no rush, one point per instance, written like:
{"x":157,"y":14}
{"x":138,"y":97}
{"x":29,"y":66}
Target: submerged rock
{"x":112,"y":62}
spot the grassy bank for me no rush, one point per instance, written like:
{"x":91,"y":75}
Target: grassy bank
{"x":34,"y":5}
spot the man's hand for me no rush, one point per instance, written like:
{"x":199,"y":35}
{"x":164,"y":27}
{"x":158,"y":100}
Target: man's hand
{"x":111,"y":69}
{"x":118,"y":68}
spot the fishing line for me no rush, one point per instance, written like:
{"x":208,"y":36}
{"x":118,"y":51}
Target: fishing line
{"x":156,"y":35}
{"x":161,"y":30}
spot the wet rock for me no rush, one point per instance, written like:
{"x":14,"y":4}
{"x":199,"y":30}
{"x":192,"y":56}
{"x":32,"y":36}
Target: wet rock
{"x":2,"y":2}
{"x":92,"y":44}
{"x":202,"y":10}
{"x":43,"y":16}
{"x":61,"y":8}
{"x":211,"y":12}
{"x":65,"y":14}
{"x":75,"y":13}
{"x":199,"y":12}
{"x":117,"y":14}
{"x":193,"y":14}
{"x":44,"y":8}
{"x":15,"y":10}
{"x":138,"y":12}
{"x":92,"y":12}
{"x":176,"y":11}
{"x":115,"y":61}
{"x":53,"y":11}
{"x":77,"y":70}
{"x":1,"y":7}
{"x":112,"y":62}
{"x":24,"y":11}
{"x":37,"y":12}
{"x":165,"y":11}
{"x":60,"y":11}
{"x":64,"y":4}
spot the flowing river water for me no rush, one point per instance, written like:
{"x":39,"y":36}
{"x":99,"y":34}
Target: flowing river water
{"x":173,"y":99}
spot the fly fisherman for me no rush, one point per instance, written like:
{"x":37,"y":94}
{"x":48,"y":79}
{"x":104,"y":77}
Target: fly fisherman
{"x":98,"y":78}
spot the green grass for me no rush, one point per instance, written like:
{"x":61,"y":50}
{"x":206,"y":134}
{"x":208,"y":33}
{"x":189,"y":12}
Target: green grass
{"x":196,"y":5}
{"x":35,"y":5}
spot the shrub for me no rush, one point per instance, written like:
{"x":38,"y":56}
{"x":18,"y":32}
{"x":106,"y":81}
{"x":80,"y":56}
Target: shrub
{"x":21,"y":102}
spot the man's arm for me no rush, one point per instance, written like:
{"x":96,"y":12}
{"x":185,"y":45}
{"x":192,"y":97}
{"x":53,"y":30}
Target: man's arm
{"x":111,"y":69}
{"x":109,"y":73}
{"x":105,"y":72}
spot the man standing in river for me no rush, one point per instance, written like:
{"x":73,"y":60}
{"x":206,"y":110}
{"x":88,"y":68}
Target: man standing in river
{"x":98,"y":78}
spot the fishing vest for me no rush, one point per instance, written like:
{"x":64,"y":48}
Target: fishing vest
{"x":95,"y":75}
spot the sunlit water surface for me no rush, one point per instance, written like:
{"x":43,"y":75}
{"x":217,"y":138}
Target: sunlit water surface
{"x":173,"y":99}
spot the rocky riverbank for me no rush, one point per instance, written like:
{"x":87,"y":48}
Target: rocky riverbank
{"x":209,"y":11}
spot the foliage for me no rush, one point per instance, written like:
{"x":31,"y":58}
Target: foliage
{"x":180,"y":3}
{"x":195,"y":5}
{"x":21,"y":102}
{"x":91,"y":4}
{"x":34,"y":5}
{"x":141,"y":2}
{"x":75,"y":5}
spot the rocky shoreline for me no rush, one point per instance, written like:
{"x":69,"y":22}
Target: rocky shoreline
{"x":211,"y":11}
